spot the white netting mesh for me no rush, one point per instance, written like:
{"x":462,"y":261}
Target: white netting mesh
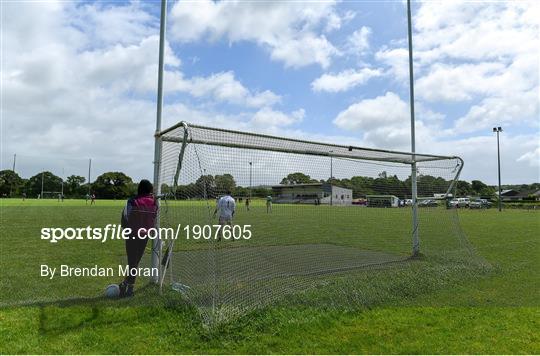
{"x":351,"y":214}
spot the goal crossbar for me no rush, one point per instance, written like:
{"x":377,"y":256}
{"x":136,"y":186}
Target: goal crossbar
{"x":229,"y":138}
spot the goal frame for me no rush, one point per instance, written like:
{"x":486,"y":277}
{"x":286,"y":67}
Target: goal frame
{"x":394,"y":156}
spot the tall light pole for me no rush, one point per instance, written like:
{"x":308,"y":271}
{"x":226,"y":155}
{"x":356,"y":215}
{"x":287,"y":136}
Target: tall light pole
{"x":42,"y":173}
{"x":250,"y":176}
{"x":331,"y":176}
{"x":11,"y":187}
{"x":89,"y":169}
{"x":499,"y":130}
{"x":416,"y":241}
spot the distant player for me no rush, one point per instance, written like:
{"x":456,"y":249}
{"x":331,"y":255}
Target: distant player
{"x":225,"y":209}
{"x":93,"y":199}
{"x":247,"y":204}
{"x":139,"y":215}
{"x":23,"y":196}
{"x":269,"y":204}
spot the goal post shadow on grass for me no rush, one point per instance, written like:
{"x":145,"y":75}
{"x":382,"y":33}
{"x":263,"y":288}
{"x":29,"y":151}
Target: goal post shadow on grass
{"x":314,"y":210}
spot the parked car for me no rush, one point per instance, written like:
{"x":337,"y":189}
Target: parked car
{"x":487,"y":203}
{"x":480,"y":204}
{"x":476,"y":204}
{"x":428,"y":203}
{"x":359,"y":201}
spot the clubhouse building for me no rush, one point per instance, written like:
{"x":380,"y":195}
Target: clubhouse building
{"x":312,"y":193}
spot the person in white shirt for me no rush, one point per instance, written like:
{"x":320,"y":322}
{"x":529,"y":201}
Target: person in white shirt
{"x":226,"y":207}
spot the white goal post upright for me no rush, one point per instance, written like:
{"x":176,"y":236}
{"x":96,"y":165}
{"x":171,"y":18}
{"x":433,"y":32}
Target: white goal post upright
{"x":156,"y":243}
{"x":414,"y":186}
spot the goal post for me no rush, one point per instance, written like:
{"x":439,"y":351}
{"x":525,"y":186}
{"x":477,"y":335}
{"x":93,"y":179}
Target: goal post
{"x":316,"y":209}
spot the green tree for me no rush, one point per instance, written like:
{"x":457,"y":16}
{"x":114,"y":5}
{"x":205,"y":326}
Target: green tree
{"x":362,"y":186}
{"x":51,"y":183}
{"x":10,"y":182}
{"x":74,"y":186}
{"x":429,"y":185}
{"x":297,"y":178}
{"x":261,"y":192}
{"x":487,"y":193}
{"x":463,"y":188}
{"x":224,"y":183}
{"x":241,"y":192}
{"x":478,"y":186}
{"x":206,"y":186}
{"x":113,"y":185}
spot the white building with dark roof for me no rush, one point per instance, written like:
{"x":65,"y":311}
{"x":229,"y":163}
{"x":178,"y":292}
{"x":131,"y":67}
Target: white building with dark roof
{"x":312,"y":193}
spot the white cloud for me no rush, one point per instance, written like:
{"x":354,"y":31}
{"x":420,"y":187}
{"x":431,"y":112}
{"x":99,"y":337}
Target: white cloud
{"x":476,"y":30}
{"x":482,"y":54}
{"x":270,"y":118}
{"x":109,"y":24}
{"x":520,"y":107}
{"x":69,"y":89}
{"x":369,"y":114}
{"x":532,"y":158}
{"x":458,"y":83}
{"x":397,"y":60}
{"x":306,"y":50}
{"x":358,"y":41}
{"x":480,"y":156}
{"x":461,"y":82}
{"x":345,"y":80}
{"x":384,"y":122}
{"x":287,"y":29}
{"x":222,"y":87}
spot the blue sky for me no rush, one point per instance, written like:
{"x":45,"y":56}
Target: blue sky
{"x":79,"y":78}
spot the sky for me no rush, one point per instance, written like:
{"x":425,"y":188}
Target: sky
{"x":79,"y":79}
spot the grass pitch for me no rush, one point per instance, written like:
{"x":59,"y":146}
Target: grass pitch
{"x":493,"y":312}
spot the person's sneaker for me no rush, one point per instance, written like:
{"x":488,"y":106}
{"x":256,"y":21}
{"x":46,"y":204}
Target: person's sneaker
{"x":126,"y":290}
{"x":129,"y":291}
{"x":122,"y":286}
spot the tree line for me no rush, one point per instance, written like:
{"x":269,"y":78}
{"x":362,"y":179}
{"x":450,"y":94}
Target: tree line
{"x":385,"y":184}
{"x":110,"y":185}
{"x":117,"y":185}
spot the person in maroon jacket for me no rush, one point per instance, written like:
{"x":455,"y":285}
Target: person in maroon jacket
{"x":139,"y":215}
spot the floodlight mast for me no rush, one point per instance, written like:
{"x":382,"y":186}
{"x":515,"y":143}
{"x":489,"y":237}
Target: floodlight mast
{"x":331,"y":178}
{"x":250,"y":177}
{"x":416,"y":241}
{"x":89,"y":171}
{"x":156,"y":243}
{"x":11,"y":187}
{"x":42,"y":176}
{"x":498,"y":130}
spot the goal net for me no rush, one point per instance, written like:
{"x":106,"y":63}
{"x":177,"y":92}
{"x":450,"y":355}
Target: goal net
{"x":307,"y":214}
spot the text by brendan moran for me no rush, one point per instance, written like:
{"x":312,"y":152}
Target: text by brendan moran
{"x":96,"y":271}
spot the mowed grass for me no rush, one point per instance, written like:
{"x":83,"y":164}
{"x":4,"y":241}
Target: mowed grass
{"x":493,"y":312}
